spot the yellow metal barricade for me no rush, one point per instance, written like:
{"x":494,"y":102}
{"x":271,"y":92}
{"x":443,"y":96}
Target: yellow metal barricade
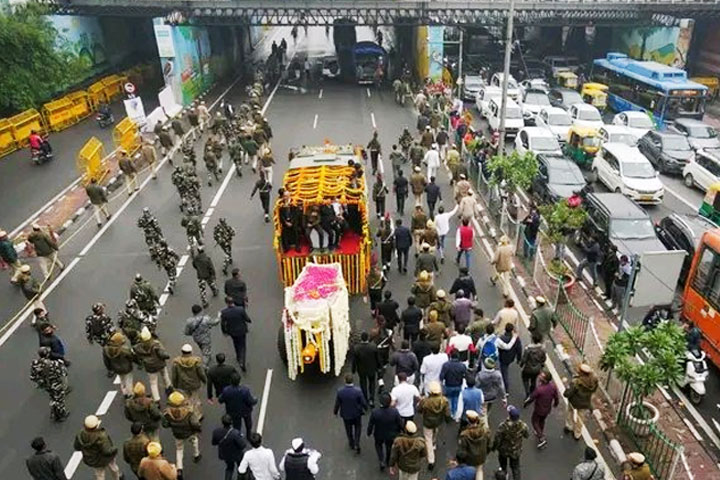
{"x":25,"y":122}
{"x":96,"y":92}
{"x":7,"y":140}
{"x":82,"y":106}
{"x":127,"y":136}
{"x":91,"y":161}
{"x":59,"y":114}
{"x":113,"y":86}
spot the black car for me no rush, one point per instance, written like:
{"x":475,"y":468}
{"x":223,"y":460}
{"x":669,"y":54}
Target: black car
{"x":668,"y":152}
{"x":683,"y":232}
{"x":564,"y":97}
{"x":615,"y":219}
{"x":558,"y":177}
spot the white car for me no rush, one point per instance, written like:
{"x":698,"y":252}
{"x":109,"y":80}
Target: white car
{"x":533,"y":84}
{"x":471,"y":86}
{"x":532,"y":102}
{"x":638,"y":122}
{"x":513,"y":116}
{"x":585,"y":115}
{"x":617,"y":134}
{"x":483,"y":97}
{"x":623,"y":169}
{"x":703,"y":171}
{"x":537,"y":140}
{"x":513,"y":90}
{"x":556,"y":120}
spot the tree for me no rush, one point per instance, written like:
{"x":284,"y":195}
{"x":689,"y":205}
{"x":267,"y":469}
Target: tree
{"x":33,"y":69}
{"x":517,"y":171}
{"x":561,"y":219}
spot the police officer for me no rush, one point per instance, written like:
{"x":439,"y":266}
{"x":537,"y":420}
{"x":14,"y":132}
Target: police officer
{"x":264,"y":187}
{"x":211,"y":163}
{"x":205,"y":274}
{"x":166,"y":142}
{"x":144,"y":294}
{"x":193,"y":228}
{"x":237,"y":152}
{"x":131,"y":320}
{"x":149,"y":156}
{"x":150,"y":227}
{"x":99,"y":326}
{"x":223,"y":235}
{"x":51,"y":376}
{"x":168,"y":260}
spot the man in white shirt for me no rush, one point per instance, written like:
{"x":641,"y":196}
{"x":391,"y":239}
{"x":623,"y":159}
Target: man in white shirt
{"x":260,"y":460}
{"x":431,"y":366}
{"x":404,"y":396}
{"x":432,"y":160}
{"x":463,"y":343}
{"x":507,"y":314}
{"x":442,"y":225}
{"x":298,"y":461}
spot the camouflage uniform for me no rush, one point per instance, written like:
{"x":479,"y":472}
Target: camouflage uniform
{"x":99,"y":326}
{"x":211,"y":164}
{"x":223,"y":235}
{"x":153,"y":233}
{"x":131,"y":320}
{"x":188,"y":151}
{"x":168,"y":260}
{"x":193,"y":229}
{"x":508,"y":442}
{"x":237,"y":152}
{"x":51,"y":376}
{"x":205,"y":275}
{"x":144,"y":294}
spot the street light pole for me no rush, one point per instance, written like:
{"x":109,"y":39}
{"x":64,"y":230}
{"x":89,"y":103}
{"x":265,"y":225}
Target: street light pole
{"x":506,"y":74}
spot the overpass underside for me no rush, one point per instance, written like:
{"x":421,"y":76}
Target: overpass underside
{"x":399,"y":12}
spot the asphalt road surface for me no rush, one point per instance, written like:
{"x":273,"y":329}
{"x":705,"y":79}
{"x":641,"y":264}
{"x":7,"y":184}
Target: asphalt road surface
{"x":101,"y":265}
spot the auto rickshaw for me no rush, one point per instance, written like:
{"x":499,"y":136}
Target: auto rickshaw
{"x":582,"y":145}
{"x":710,"y":207}
{"x":713,"y":84}
{"x":566,"y":79}
{"x":595,"y":94}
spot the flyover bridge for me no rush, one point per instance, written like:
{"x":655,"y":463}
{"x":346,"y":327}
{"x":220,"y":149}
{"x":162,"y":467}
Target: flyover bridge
{"x":386,"y":12}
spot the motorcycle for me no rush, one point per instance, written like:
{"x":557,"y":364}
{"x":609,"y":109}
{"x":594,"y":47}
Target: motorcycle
{"x":40,"y":156}
{"x":696,"y":373}
{"x":105,"y":121}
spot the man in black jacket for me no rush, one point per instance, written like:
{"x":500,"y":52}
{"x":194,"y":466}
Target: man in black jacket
{"x":44,"y":464}
{"x":236,"y":288}
{"x":385,"y":424}
{"x":465,"y":283}
{"x":365,"y":363}
{"x":400,"y":186}
{"x":219,"y":376}
{"x":388,"y":309}
{"x":432,"y":194}
{"x":350,"y":403}
{"x":403,"y":242}
{"x":234,"y":322}
{"x":231,"y":446}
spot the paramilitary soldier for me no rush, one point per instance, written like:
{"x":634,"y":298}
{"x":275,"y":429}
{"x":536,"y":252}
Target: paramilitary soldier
{"x":168,"y":260}
{"x":51,"y":376}
{"x":223,"y":235}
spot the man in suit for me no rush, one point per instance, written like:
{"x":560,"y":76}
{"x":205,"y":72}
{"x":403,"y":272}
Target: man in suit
{"x":366,"y":364}
{"x":239,"y":403}
{"x":403,"y":242}
{"x":234,"y":321}
{"x":385,"y":424}
{"x":219,"y":376}
{"x":350,"y":403}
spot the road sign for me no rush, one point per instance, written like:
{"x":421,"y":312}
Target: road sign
{"x":130,"y":88}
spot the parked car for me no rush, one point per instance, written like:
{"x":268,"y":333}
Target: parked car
{"x":668,"y":152}
{"x":638,"y":122}
{"x":534,"y":84}
{"x":615,"y":219}
{"x":556,"y":120}
{"x":512,"y":86}
{"x":532,"y":102}
{"x":564,"y":97}
{"x":471,"y":86}
{"x":699,"y":134}
{"x":585,"y":115}
{"x":617,"y":134}
{"x":702,"y":171}
{"x":482,"y":99}
{"x":513,"y":116}
{"x":625,"y":170}
{"x":682,"y":232}
{"x":537,"y":140}
{"x":558,"y":177}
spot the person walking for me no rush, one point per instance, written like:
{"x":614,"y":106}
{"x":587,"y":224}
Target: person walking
{"x":532,"y":227}
{"x":418,"y":221}
{"x":264,"y":188}
{"x":507,"y":314}
{"x":432,"y":195}
{"x":502,"y":261}
{"x":205,"y":271}
{"x":234,"y":322}
{"x":591,"y":260}
{"x":184,"y":423}
{"x":239,"y":403}
{"x":410,"y":318}
{"x":219,"y":376}
{"x":542,"y":318}
{"x":98,"y":451}
{"x":127,"y":167}
{"x":350,"y":403}
{"x":403,"y":242}
{"x":435,"y":331}
{"x":432,"y":366}
{"x":46,"y":250}
{"x":258,"y":461}
{"x":299,"y":462}
{"x":135,"y":448}
{"x":118,"y":359}
{"x":199,"y":326}
{"x":508,"y":441}
{"x":609,"y":266}
{"x":589,"y":468}
{"x":149,"y":155}
{"x":434,"y":410}
{"x":544,"y":397}
{"x":236,"y":288}
{"x":461,"y":312}
{"x":98,"y":199}
{"x":432,"y":160}
{"x":464,"y":240}
{"x":418,"y":182}
{"x":404,"y":395}
{"x":579,"y":394}
{"x":405,"y":362}
{"x":532,"y":362}
{"x":379,"y":191}
{"x":490,"y":381}
{"x":442,"y":225}
{"x":426,"y":261}
{"x":231,"y":445}
{"x":143,"y":410}
{"x":509,"y":351}
{"x":366,"y":363}
{"x":30,"y":287}
{"x":188,"y":375}
{"x":156,"y":467}
{"x":472,"y":400}
{"x":407,"y":453}
{"x":401,"y":189}
{"x":388,"y":309}
{"x":375,"y":150}
{"x":9,"y":255}
{"x":50,"y":374}
{"x":384,"y":424}
{"x":636,"y":468}
{"x":452,"y":376}
{"x":44,"y":464}
{"x":474,"y":442}
{"x":424,"y":290}
{"x":152,"y":357}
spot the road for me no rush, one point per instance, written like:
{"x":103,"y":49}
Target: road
{"x":102,"y":264}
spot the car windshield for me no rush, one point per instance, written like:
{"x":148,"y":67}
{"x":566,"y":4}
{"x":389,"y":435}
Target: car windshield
{"x":701,"y":131}
{"x":565,"y":176}
{"x":675,"y":143}
{"x":640,"y":122}
{"x":638,"y":170}
{"x":545,"y":144}
{"x":591,"y":141}
{"x":513,"y":112}
{"x":631,"y":228}
{"x":590,"y":115}
{"x":571,"y":97}
{"x":559,"y":119}
{"x":473,"y":82}
{"x":534,"y":98}
{"x":626,"y":138}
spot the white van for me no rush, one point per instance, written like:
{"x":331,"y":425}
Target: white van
{"x":513,"y":116}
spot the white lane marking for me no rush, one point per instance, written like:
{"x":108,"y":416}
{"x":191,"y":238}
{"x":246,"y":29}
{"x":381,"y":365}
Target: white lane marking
{"x":686,"y":465}
{"x":183,"y":260}
{"x":368,"y":92}
{"x":372,"y":117}
{"x":264,"y":401}
{"x":692,"y":429}
{"x":704,"y":425}
{"x":315,"y":121}
{"x":40,"y":210}
{"x":73,"y":464}
{"x":320,"y":94}
{"x":677,"y":195}
{"x":116,"y":380}
{"x":107,"y":401}
{"x":163,"y":299}
{"x":716,"y":425}
{"x":210,"y":211}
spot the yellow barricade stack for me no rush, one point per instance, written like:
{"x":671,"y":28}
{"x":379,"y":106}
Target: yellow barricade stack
{"x":113,"y":86}
{"x":7,"y":140}
{"x":25,"y":122}
{"x":91,"y":161}
{"x":82,"y":107}
{"x":127,"y":136}
{"x":59,"y":114}
{"x":96,"y":93}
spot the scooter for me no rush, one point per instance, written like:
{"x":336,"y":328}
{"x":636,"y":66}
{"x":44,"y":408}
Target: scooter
{"x":105,"y":121}
{"x":39,"y":156}
{"x":696,"y":373}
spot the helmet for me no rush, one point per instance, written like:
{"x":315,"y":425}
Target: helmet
{"x":98,"y":308}
{"x":146,"y":210}
{"x":138,"y":277}
{"x":44,"y":352}
{"x":131,"y":303}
